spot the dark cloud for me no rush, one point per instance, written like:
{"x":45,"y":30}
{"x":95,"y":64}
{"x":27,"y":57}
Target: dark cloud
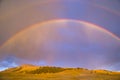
{"x":16,"y":15}
{"x":1,"y":1}
{"x":68,"y":43}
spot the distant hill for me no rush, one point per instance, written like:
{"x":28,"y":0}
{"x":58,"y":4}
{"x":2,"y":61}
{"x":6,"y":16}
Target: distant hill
{"x":21,"y":69}
{"x":31,"y":69}
{"x":32,"y":72}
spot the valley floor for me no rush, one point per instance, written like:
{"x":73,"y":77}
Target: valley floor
{"x":64,"y":75}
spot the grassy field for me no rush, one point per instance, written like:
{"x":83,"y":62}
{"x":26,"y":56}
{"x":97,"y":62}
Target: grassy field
{"x":35,"y":73}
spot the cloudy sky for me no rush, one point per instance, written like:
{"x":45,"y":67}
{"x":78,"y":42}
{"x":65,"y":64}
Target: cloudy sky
{"x":16,"y":16}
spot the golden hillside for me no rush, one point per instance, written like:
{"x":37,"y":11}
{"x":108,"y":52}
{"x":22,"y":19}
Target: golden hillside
{"x":31,"y":72}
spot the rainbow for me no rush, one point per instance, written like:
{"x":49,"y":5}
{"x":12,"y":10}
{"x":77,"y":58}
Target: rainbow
{"x":64,"y":20}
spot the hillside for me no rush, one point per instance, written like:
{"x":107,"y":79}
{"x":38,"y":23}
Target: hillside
{"x":31,"y":72}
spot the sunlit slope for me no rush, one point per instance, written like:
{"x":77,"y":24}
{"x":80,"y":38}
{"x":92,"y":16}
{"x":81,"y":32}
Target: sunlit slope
{"x":31,"y":69}
{"x":30,"y":72}
{"x":21,"y":69}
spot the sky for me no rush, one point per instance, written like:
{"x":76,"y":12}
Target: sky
{"x":16,"y":16}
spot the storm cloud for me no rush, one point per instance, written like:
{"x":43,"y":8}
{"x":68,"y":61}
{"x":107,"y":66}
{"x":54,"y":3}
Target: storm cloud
{"x":66,"y":43}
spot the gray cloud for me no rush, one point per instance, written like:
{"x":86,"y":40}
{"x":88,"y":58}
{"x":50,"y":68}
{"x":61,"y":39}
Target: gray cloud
{"x":17,"y":15}
{"x":64,"y":43}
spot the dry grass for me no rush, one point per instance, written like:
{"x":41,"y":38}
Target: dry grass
{"x":66,"y":74}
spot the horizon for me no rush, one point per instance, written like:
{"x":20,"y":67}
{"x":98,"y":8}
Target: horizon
{"x":64,"y":33}
{"x":22,"y":65}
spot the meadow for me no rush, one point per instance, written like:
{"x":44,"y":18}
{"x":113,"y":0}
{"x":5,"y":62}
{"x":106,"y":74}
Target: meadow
{"x":57,"y":73}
